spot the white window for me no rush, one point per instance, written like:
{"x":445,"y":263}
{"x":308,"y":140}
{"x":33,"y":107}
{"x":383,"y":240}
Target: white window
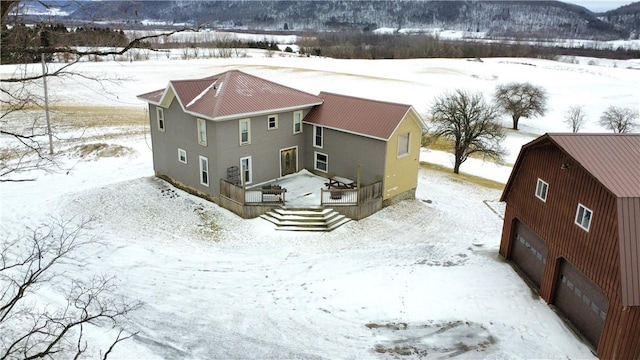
{"x":160,"y":118}
{"x":297,"y":122}
{"x":246,"y":171}
{"x":182,"y":156}
{"x":272,"y":122}
{"x":583,"y":217}
{"x":321,"y":162}
{"x":204,"y":171}
{"x":317,"y":136}
{"x":245,"y":131}
{"x":202,"y":132}
{"x":541,"y":190}
{"x":403,"y":144}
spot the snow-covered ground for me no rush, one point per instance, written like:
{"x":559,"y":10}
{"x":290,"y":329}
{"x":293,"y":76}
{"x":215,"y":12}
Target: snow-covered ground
{"x":420,"y":279}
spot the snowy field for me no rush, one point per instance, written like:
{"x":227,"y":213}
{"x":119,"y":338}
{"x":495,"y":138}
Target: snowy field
{"x":420,"y":279}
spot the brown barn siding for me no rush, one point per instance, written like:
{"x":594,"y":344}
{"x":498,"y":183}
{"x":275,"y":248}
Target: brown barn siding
{"x":595,"y":253}
{"x":629,"y":227}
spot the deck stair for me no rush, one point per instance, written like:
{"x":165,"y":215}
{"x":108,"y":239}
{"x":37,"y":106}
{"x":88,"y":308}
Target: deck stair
{"x":305,"y":219}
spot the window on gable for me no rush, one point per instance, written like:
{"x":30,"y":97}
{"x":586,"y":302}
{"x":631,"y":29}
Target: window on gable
{"x":182,"y":156}
{"x":541,"y":190}
{"x":202,"y":132}
{"x":297,"y":122}
{"x":317,"y":136}
{"x":321,"y":162}
{"x":160,"y":118}
{"x":204,"y":171}
{"x":583,"y":217}
{"x":244,"y":128}
{"x":245,"y":166}
{"x":272,"y":122}
{"x":403,"y":144}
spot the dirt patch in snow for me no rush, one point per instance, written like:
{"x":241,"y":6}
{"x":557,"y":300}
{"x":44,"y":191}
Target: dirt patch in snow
{"x":100,"y":150}
{"x":433,"y":340}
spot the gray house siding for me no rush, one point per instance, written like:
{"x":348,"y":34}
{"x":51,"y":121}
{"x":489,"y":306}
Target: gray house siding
{"x":264,"y":148}
{"x":181,"y":132}
{"x":345,"y":151}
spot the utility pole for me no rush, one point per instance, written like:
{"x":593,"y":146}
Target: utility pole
{"x":44,"y":43}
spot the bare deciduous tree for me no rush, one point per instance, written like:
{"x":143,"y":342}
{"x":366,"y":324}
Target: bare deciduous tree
{"x":32,"y":263}
{"x":575,"y":118}
{"x":470,"y":123}
{"x":21,"y":93}
{"x":620,"y":119}
{"x":521,"y":100}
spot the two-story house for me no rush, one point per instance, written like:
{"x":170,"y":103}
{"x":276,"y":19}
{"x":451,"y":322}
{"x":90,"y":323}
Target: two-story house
{"x":572,"y":228}
{"x":239,"y":128}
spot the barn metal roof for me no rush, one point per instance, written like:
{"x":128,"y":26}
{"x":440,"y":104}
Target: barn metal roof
{"x":232,"y":94}
{"x":376,"y":119}
{"x":613,"y":159}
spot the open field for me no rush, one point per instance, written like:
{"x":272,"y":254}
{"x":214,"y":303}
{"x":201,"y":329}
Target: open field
{"x":418,"y":280}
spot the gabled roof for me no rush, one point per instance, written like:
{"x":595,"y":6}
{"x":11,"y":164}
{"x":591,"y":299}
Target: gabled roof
{"x":371,"y":118}
{"x":612,"y":159}
{"x":232,"y":94}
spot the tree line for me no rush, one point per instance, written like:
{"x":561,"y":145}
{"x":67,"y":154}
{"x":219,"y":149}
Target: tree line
{"x":368,"y":45}
{"x":20,"y":42}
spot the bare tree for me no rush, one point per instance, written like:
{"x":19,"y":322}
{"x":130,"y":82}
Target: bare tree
{"x":32,"y":263}
{"x":521,"y":100}
{"x":20,"y":92}
{"x":470,"y":123}
{"x":575,"y":117}
{"x":620,"y":119}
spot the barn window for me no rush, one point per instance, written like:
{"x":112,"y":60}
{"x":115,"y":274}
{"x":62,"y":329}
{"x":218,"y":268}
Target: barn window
{"x":583,"y":217}
{"x":541,"y":190}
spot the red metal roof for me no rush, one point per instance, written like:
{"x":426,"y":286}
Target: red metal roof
{"x":233,"y":94}
{"x":154,"y":96}
{"x":613,"y":159}
{"x":377,"y":119}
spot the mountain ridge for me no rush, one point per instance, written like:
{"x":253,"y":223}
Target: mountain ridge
{"x":539,"y":19}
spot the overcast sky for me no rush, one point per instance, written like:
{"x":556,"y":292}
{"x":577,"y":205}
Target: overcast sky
{"x":600,"y":5}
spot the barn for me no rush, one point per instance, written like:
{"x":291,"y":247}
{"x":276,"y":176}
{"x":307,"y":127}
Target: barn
{"x":571,"y":229}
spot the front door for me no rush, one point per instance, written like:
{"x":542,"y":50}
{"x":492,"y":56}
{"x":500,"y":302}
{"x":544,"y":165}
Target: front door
{"x":288,"y":161}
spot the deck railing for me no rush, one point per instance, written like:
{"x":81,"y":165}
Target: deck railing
{"x":354,"y":203}
{"x":232,"y":191}
{"x":337,"y":196}
{"x":250,"y":197}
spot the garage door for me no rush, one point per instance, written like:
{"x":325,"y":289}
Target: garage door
{"x":582,"y":302}
{"x":529,"y":253}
